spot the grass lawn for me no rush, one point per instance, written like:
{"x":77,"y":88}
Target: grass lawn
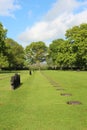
{"x":38,"y":105}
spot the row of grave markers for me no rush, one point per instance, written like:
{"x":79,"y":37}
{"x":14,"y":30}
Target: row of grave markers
{"x":58,"y":88}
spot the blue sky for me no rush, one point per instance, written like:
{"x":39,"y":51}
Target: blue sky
{"x":41,"y":20}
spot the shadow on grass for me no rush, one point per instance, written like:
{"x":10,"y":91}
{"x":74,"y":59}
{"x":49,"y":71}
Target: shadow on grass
{"x":9,"y":71}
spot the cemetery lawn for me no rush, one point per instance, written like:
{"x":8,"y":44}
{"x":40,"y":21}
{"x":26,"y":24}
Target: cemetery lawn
{"x":38,"y":105}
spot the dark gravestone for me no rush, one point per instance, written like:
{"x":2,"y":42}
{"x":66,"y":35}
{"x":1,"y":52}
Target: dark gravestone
{"x":15,"y":81}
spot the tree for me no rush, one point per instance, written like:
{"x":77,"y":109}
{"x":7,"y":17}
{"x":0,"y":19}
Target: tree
{"x":3,"y":57}
{"x":3,"y":61}
{"x":55,"y":55}
{"x":36,"y":53}
{"x":3,"y":33}
{"x":15,"y":54}
{"x":77,"y":37}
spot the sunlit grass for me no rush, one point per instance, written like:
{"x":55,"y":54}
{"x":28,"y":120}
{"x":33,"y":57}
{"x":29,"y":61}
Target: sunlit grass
{"x":37,"y":105}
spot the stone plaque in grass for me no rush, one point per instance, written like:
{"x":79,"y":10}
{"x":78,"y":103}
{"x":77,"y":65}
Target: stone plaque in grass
{"x":66,"y":94}
{"x":60,"y":89}
{"x":74,"y":103}
{"x":55,"y":85}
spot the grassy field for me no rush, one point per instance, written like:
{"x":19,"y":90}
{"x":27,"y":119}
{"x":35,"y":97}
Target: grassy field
{"x":38,"y":105}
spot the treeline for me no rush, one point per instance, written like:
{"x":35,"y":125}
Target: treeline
{"x":69,"y":53}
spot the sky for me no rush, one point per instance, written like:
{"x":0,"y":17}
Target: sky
{"x":41,"y":20}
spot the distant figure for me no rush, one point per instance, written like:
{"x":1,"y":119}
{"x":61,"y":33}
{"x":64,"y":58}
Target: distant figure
{"x":30,"y":72}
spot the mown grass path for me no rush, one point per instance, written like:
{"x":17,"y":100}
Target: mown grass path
{"x":36,"y":105}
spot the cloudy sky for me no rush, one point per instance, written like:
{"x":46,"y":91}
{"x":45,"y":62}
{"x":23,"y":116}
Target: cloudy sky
{"x":41,"y":20}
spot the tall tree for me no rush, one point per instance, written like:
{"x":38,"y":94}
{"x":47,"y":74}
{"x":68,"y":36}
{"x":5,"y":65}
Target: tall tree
{"x":3,"y":57}
{"x":15,"y":53}
{"x":77,"y":37}
{"x":3,"y":33}
{"x":55,"y":54}
{"x":36,"y":52}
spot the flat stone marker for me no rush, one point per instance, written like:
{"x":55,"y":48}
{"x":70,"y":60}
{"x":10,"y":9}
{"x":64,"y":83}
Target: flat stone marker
{"x":74,"y":103}
{"x":66,"y":94}
{"x":58,"y":89}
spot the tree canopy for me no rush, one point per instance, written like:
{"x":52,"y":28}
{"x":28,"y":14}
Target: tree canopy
{"x":3,"y":33}
{"x":72,"y":52}
{"x":78,"y":34}
{"x":36,"y":52}
{"x":15,"y":54}
{"x":3,"y":58}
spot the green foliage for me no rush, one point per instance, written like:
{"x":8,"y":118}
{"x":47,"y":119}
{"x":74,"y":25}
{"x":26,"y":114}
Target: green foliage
{"x":36,"y":53}
{"x":11,"y":53}
{"x":79,"y":35}
{"x":3,"y":61}
{"x":72,"y":52}
{"x":3,"y":33}
{"x":15,"y":53}
{"x":3,"y":57}
{"x":56,"y":52}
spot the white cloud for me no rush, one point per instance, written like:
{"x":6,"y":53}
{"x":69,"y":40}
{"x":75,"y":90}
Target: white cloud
{"x":62,"y":16}
{"x":7,"y":7}
{"x":60,"y":7}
